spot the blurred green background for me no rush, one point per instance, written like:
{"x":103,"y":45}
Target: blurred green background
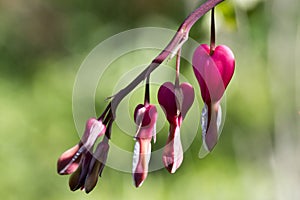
{"x":42,"y":45}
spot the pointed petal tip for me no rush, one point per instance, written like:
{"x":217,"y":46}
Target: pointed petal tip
{"x":210,"y":147}
{"x":203,"y":152}
{"x":170,"y":165}
{"x":211,"y":127}
{"x":171,"y":168}
{"x":138,"y":179}
{"x":88,"y":189}
{"x":209,"y":141}
{"x":89,"y":185}
{"x":74,"y":179}
{"x":92,"y":177}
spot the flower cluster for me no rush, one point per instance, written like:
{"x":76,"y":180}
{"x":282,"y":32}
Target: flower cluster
{"x":213,"y":68}
{"x":80,"y":160}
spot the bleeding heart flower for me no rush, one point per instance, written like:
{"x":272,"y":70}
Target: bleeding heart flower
{"x":213,"y":73}
{"x":175,"y":101}
{"x":79,"y":160}
{"x":145,"y":118}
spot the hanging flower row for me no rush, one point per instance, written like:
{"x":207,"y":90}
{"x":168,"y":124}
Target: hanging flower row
{"x":213,"y":67}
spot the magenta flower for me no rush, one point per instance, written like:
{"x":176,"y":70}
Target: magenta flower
{"x":77,"y":159}
{"x":213,"y":72}
{"x":145,"y":118}
{"x":175,"y":102}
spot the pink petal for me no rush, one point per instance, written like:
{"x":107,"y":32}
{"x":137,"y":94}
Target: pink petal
{"x":224,"y":57}
{"x":175,"y":101}
{"x":188,"y":97}
{"x":69,"y":161}
{"x":167,"y":100}
{"x":94,"y":129}
{"x":145,"y":119}
{"x":213,"y":72}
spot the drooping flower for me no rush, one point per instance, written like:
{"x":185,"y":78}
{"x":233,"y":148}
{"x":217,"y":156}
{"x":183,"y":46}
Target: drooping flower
{"x":175,"y":102}
{"x":76,"y":160}
{"x":68,"y":162}
{"x":213,"y":72}
{"x":145,"y":117}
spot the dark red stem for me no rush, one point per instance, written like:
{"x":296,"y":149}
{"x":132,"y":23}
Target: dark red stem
{"x":213,"y":32}
{"x":147,"y":90}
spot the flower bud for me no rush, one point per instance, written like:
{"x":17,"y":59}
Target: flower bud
{"x":145,"y":118}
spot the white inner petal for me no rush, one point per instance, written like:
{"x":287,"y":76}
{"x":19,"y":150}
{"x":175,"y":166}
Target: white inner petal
{"x":219,"y":119}
{"x":139,"y":119}
{"x":96,"y":128}
{"x":178,"y":153}
{"x":204,"y":121}
{"x":154,"y":133}
{"x":136,"y":153}
{"x":148,"y":155}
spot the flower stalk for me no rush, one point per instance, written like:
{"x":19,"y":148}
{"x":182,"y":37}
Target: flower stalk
{"x":212,"y":33}
{"x":174,"y":45}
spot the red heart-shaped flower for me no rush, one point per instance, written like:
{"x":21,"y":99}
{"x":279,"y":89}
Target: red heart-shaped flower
{"x":175,"y":101}
{"x":213,"y":72}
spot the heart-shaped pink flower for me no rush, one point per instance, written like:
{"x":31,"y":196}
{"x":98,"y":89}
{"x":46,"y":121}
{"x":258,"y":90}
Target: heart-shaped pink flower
{"x":175,"y":101}
{"x":213,"y":72}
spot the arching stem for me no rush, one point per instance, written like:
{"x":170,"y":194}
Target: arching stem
{"x":174,"y":45}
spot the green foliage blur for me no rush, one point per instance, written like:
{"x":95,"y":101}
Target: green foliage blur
{"x":42,"y":45}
